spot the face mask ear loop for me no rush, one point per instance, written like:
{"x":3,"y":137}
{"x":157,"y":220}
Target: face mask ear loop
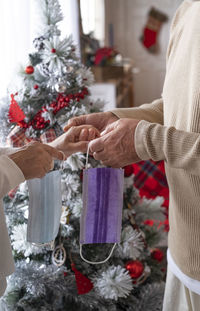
{"x":98,"y":262}
{"x":87,"y":156}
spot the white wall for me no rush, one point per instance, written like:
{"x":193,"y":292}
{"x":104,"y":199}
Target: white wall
{"x":129,"y":18}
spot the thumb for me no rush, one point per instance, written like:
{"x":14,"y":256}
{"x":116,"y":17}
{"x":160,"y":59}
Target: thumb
{"x":76,"y":121}
{"x":108,"y":129}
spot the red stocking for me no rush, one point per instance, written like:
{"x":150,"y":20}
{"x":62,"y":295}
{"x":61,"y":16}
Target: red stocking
{"x":151,"y":30}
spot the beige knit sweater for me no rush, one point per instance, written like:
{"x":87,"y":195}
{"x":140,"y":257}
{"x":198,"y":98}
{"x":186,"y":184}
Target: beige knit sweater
{"x":171,"y":131}
{"x":10,"y":177}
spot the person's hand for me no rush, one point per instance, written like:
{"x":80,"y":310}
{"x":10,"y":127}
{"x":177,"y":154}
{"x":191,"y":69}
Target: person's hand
{"x":116,"y":147}
{"x":75,"y":139}
{"x":99,"y":120}
{"x":35,"y":159}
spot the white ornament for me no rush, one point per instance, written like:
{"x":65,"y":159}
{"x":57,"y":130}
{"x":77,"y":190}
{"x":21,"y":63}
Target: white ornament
{"x":59,"y":255}
{"x":131,"y":243}
{"x":114,"y":283}
{"x":55,"y":51}
{"x":76,"y":161}
{"x":20,"y":243}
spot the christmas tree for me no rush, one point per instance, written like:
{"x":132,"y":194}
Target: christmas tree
{"x":54,"y":88}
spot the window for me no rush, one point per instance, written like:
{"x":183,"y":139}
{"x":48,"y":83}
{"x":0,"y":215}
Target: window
{"x":19,"y":24}
{"x":92,"y":13}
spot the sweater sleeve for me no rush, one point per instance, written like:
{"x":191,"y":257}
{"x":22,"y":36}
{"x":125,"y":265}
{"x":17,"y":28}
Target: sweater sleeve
{"x":10,"y":175}
{"x":7,"y":150}
{"x":180,"y":149}
{"x":149,"y":112}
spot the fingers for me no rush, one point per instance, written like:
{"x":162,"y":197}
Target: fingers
{"x":76,"y":121}
{"x":54,"y":152}
{"x":100,"y":156}
{"x":88,"y":134}
{"x":82,"y":133}
{"x":96,"y":145}
{"x":109,"y":128}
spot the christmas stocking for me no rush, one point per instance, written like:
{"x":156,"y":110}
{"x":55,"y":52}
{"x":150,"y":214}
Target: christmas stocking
{"x":151,"y":30}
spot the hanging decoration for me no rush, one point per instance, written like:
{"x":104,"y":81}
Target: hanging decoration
{"x":152,"y":28}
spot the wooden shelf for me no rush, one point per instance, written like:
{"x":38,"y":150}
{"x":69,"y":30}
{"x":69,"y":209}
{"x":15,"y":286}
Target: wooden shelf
{"x":122,"y":77}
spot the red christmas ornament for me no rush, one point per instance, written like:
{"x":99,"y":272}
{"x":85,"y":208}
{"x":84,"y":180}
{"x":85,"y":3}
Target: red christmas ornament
{"x":36,"y":87}
{"x":157,"y":254}
{"x":128,"y":170}
{"x":29,"y":70}
{"x":15,"y":113}
{"x":53,"y":50}
{"x":135,"y":268}
{"x":84,"y":285}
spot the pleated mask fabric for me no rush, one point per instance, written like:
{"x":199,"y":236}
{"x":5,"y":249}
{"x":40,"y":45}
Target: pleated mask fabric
{"x":101,"y":218}
{"x":45,"y":206}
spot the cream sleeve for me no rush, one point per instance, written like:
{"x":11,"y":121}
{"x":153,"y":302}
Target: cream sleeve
{"x":178,"y":148}
{"x":150,"y":112}
{"x":10,"y":174}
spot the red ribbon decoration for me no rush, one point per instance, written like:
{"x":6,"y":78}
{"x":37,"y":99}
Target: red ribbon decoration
{"x":84,"y":285}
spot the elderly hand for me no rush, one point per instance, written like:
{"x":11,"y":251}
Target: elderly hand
{"x":99,"y":120}
{"x":116,"y":147}
{"x":35,"y":159}
{"x":75,"y":139}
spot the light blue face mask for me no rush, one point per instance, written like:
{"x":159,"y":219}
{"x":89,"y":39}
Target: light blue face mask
{"x":45,"y":206}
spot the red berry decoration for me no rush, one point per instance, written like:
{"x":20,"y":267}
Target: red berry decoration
{"x":53,"y":50}
{"x":135,"y":268}
{"x":29,"y":70}
{"x":36,"y":86}
{"x":157,"y":254}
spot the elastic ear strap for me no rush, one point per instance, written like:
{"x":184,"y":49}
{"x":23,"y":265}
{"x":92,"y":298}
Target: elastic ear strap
{"x":87,"y":156}
{"x":97,"y":262}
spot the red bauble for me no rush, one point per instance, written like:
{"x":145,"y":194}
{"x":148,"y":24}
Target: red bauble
{"x":157,"y":254}
{"x":53,"y":50}
{"x":29,"y":70}
{"x":36,"y":86}
{"x":128,"y":170}
{"x":135,"y":268}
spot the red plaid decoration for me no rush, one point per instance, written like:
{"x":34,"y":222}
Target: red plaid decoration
{"x":48,"y":136}
{"x":17,"y":137}
{"x":151,"y":181}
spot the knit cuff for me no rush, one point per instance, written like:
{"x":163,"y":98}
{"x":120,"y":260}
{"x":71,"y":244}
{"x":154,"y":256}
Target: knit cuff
{"x":140,"y":134}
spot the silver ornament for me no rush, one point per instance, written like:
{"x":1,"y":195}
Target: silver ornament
{"x":60,"y":87}
{"x":69,"y":69}
{"x":59,"y":255}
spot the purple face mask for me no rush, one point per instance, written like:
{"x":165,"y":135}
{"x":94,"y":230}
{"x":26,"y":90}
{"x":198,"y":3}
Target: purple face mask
{"x":101,"y":217}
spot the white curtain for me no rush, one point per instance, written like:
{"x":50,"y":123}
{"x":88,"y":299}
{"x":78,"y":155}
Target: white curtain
{"x":18,"y":27}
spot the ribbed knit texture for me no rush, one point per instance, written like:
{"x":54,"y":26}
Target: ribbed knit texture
{"x":177,"y":138}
